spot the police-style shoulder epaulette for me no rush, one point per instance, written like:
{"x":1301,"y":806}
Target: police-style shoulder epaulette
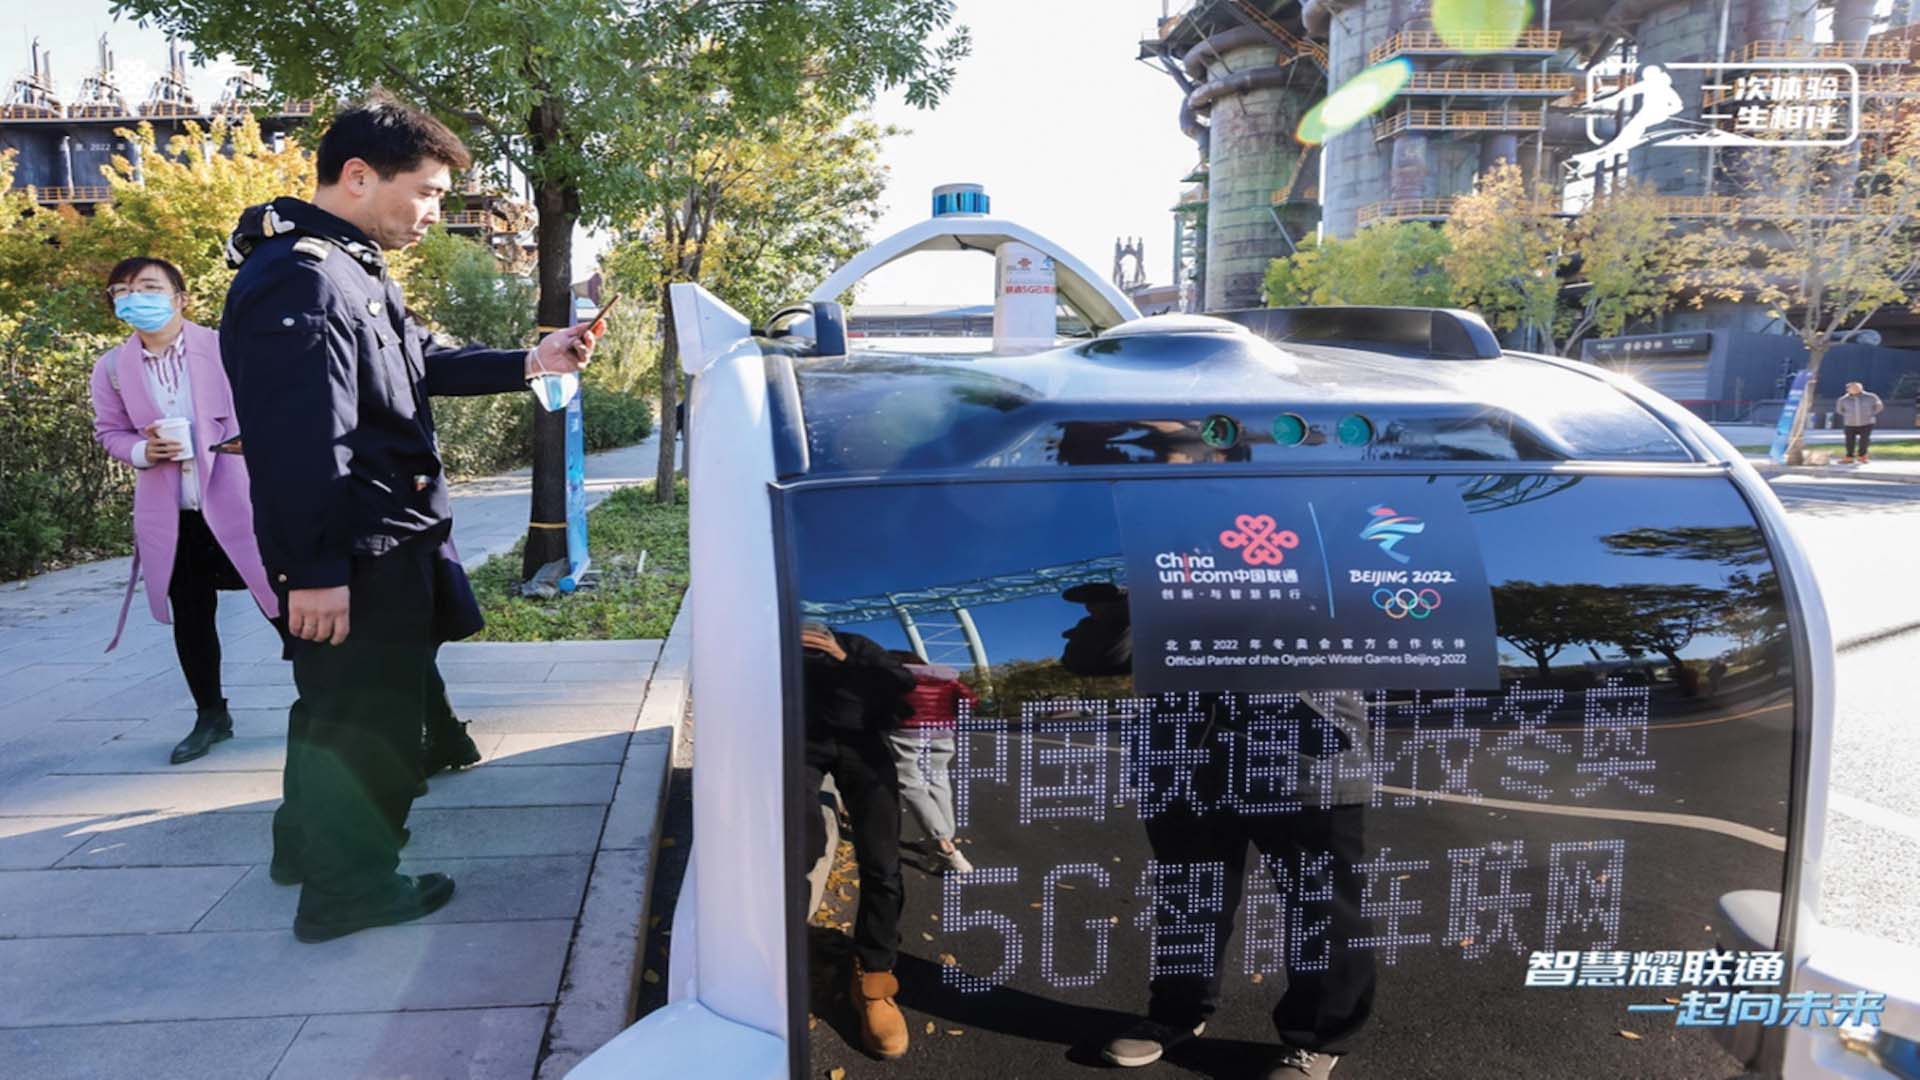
{"x":314,"y":246}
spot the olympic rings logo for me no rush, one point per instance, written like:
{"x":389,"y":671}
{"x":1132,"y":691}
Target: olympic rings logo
{"x":1402,"y":603}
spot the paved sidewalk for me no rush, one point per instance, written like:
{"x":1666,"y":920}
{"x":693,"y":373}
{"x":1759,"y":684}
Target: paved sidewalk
{"x":140,"y":936}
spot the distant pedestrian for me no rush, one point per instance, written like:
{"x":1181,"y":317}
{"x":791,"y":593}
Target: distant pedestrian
{"x":923,"y":749}
{"x":1857,"y":410}
{"x":160,"y":403}
{"x":332,"y":381}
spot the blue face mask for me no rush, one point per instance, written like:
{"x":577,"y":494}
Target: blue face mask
{"x":144,"y":311}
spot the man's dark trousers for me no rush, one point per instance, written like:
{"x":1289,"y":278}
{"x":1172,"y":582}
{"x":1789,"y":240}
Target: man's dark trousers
{"x":1858,"y":436}
{"x":1328,"y":999}
{"x":869,"y":784}
{"x":353,"y":744}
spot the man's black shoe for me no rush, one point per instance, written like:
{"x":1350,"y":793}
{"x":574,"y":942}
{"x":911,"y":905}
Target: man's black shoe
{"x":412,"y":898}
{"x":449,"y":748}
{"x":209,"y":726}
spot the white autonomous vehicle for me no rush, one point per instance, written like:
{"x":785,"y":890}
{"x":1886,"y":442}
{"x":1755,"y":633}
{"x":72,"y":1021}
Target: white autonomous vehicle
{"x":1334,"y":680}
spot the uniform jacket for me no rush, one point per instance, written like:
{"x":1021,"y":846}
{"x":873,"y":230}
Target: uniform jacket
{"x":331,"y":377}
{"x":121,"y":407}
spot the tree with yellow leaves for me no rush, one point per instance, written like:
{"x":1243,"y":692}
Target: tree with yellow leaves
{"x":1825,"y":238}
{"x":1524,"y":263}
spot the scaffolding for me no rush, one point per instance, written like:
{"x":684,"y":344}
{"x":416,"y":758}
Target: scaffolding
{"x":33,"y":97}
{"x":100,"y":95}
{"x":1292,"y":44}
{"x":938,"y":620}
{"x":171,"y":96}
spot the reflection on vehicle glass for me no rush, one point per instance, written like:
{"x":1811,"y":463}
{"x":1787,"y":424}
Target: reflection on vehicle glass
{"x":1263,"y":855}
{"x":1220,"y":432}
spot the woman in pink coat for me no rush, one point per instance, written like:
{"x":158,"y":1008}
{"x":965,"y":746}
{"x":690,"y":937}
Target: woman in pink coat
{"x":192,"y":522}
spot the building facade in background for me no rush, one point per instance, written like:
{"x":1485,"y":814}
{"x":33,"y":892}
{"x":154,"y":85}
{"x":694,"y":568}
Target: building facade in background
{"x":1250,"y":70}
{"x":61,"y":147}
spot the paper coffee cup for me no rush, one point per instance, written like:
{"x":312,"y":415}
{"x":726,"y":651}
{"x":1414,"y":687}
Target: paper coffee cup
{"x":178,"y":429}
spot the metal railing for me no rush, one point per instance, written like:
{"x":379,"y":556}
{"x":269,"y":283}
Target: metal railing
{"x":1428,"y":41}
{"x":1496,"y":82}
{"x":1404,"y":210}
{"x":1878,"y":52}
{"x":467,"y":219}
{"x":1456,"y":120}
{"x":54,"y":195}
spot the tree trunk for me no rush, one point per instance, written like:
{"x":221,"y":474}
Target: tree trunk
{"x":669,"y":398}
{"x":547,"y":520}
{"x":1796,"y":437}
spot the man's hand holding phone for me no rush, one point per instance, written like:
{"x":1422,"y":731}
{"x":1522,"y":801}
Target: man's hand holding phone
{"x":569,"y":351}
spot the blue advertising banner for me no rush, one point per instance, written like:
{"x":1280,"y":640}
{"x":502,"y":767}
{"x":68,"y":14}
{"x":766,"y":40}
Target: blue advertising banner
{"x":1784,"y":429}
{"x":1291,"y":584}
{"x":577,"y":557}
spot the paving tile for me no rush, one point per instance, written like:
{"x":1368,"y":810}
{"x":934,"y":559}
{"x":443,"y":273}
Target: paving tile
{"x":560,"y":748}
{"x":157,"y":695}
{"x":271,"y":696}
{"x":488,"y":890}
{"x":522,"y":785}
{"x":274,"y":672}
{"x":520,"y":719}
{"x":258,"y":753}
{"x":454,"y":1044}
{"x":600,"y":670}
{"x":142,"y":793}
{"x":512,"y":830}
{"x":179,"y":1050}
{"x":32,"y":679}
{"x":45,"y":903}
{"x":635,"y":813}
{"x":231,"y":839}
{"x":628,"y":692}
{"x":171,"y":725}
{"x":562,"y":651}
{"x":466,"y":672}
{"x":33,"y":843}
{"x":83,"y":698}
{"x":126,"y":978}
{"x":30,"y":753}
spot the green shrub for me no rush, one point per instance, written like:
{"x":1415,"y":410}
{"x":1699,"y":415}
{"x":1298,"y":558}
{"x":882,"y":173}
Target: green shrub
{"x":62,"y":499}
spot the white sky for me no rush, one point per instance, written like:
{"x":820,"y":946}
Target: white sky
{"x":1071,"y":135}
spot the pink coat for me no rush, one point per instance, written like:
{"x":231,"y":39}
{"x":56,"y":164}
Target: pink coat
{"x":121,"y":408}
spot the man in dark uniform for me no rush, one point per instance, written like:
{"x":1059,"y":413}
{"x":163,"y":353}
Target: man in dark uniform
{"x":331,"y":382}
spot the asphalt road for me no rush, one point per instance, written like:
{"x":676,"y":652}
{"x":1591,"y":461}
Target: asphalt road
{"x":1864,"y":539}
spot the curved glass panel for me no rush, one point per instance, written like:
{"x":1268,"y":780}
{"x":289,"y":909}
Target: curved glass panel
{"x":1195,"y":770}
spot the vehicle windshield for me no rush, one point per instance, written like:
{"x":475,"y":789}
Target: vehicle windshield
{"x":1308,"y":760}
